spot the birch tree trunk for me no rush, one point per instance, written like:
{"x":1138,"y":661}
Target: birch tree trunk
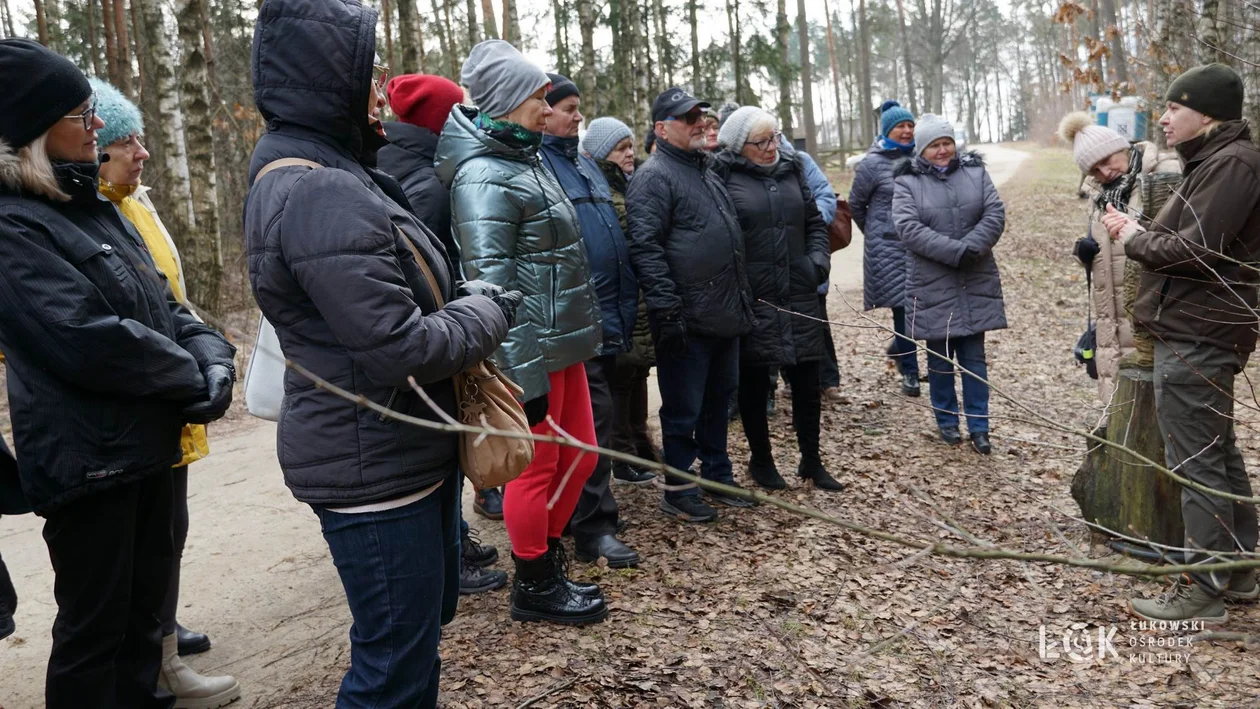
{"x":835,"y":81}
{"x":807,"y":81}
{"x":408,"y":37}
{"x":782,"y":30}
{"x":202,"y":250}
{"x":590,"y":90}
{"x":664,"y":54}
{"x":6,"y":15}
{"x":642,"y":68}
{"x":487,"y":16}
{"x":1212,"y":34}
{"x":905,"y":53}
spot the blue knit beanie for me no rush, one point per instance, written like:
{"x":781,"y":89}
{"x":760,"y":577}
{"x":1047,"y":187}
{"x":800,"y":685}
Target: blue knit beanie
{"x":122,"y":118}
{"x":602,"y":135}
{"x":893,"y":113}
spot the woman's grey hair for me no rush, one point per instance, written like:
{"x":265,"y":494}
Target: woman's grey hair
{"x":29,"y":169}
{"x":743,"y":123}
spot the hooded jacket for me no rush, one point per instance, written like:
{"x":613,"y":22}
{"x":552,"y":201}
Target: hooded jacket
{"x":331,"y":271}
{"x":516,"y":228}
{"x":786,"y":246}
{"x":642,"y":353}
{"x":409,"y":159}
{"x":134,"y":203}
{"x":687,"y":245}
{"x":938,"y":215}
{"x":101,"y":357}
{"x":883,"y":255}
{"x":1201,"y":253}
{"x":606,"y":249}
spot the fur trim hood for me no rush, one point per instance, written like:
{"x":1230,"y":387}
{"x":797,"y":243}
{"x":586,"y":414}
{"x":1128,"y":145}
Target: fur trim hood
{"x":10,"y":168}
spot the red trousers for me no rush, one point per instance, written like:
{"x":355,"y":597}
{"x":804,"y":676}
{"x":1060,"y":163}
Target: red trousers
{"x":529,"y":522}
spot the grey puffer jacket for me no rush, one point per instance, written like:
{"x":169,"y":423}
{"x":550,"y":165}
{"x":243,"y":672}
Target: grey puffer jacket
{"x":937,"y":216}
{"x":331,"y":269}
{"x":883,"y":256}
{"x":687,"y":246}
{"x":516,"y":228}
{"x":785,"y":240}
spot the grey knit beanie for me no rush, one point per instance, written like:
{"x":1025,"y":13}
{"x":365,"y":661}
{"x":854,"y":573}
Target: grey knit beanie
{"x":602,"y":135}
{"x":499,"y":78}
{"x":930,"y":127}
{"x":739,"y":124}
{"x":726,"y":110}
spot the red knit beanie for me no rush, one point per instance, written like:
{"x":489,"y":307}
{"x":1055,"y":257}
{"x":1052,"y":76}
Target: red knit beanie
{"x":423,"y":100}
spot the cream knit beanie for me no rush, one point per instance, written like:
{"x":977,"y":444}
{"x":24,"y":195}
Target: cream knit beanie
{"x":1090,"y":143}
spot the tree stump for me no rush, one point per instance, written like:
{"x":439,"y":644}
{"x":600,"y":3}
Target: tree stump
{"x":1119,"y":492}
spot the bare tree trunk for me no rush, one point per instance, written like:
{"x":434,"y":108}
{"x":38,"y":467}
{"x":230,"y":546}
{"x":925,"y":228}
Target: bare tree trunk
{"x":41,"y":22}
{"x":807,"y":81}
{"x":121,"y":36}
{"x":864,"y":48}
{"x":664,"y":55}
{"x":474,"y":30}
{"x":511,"y":23}
{"x":487,"y":16}
{"x":782,"y":31}
{"x":695,"y":45}
{"x":733,"y":39}
{"x":409,"y":37}
{"x":562,"y":52}
{"x":202,"y":250}
{"x":905,"y":53}
{"x":52,"y":15}
{"x":586,"y":24}
{"x":6,"y":15}
{"x":111,"y":45}
{"x":1212,"y":33}
{"x":642,"y":68}
{"x":453,"y":57}
{"x":387,"y":18}
{"x":835,"y":81}
{"x":1118,"y":61}
{"x":138,"y":48}
{"x":93,"y":44}
{"x":445,"y":43}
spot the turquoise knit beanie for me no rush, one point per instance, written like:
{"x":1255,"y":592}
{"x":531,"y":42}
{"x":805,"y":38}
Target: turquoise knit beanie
{"x":893,"y":114}
{"x":122,"y":117}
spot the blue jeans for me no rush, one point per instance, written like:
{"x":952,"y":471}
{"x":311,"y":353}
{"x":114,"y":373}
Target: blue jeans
{"x":904,"y":351}
{"x":400,"y":571}
{"x":696,"y":389}
{"x":969,"y":351}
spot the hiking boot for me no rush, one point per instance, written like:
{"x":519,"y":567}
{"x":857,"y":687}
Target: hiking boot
{"x":474,"y":579}
{"x":764,"y":473}
{"x":190,"y":642}
{"x":833,"y":394}
{"x":560,"y":558}
{"x":910,"y":385}
{"x":730,"y":500}
{"x":950,"y":436}
{"x":191,"y":690}
{"x":1242,"y":587}
{"x":606,"y":546}
{"x":815,"y":472}
{"x":688,"y":508}
{"x":1184,"y":600}
{"x":631,"y":475}
{"x":489,"y":503}
{"x":476,"y":553}
{"x":980,"y":441}
{"x":539,"y":593}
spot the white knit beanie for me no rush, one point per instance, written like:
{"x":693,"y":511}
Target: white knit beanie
{"x":739,"y":124}
{"x":1091,"y":144}
{"x":602,"y":135}
{"x":928,"y":128}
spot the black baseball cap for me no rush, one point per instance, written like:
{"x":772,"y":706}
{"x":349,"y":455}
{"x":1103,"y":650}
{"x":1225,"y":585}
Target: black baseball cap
{"x":674,"y":102}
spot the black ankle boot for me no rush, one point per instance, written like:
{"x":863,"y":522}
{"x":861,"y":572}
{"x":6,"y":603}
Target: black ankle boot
{"x":814,"y":471}
{"x":764,"y":473}
{"x":539,"y":592}
{"x":556,"y":550}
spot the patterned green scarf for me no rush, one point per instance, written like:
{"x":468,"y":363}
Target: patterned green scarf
{"x":511,"y":134}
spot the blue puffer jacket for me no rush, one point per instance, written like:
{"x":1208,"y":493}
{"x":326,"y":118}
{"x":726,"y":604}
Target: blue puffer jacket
{"x":883,"y":257}
{"x":606,"y":249}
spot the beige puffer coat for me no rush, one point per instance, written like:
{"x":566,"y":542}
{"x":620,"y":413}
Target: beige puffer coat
{"x":1113,"y":321}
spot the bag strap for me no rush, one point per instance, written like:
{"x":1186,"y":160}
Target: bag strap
{"x":286,"y":162}
{"x":424,"y":269}
{"x":1089,"y":298}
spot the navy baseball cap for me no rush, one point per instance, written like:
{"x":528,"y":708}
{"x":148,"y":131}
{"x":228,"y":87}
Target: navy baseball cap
{"x":674,"y":102}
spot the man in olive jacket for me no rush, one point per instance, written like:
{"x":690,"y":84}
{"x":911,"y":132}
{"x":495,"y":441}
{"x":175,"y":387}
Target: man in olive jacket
{"x":1198,"y":299}
{"x":687,"y":249}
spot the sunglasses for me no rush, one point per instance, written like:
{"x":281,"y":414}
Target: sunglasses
{"x":88,"y":116}
{"x":688,"y":118}
{"x":765,"y":144}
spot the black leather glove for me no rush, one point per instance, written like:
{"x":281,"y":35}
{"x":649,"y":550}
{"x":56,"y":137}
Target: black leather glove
{"x":486,"y":288}
{"x":219,"y":380}
{"x":1085,"y":250}
{"x":822,"y":268}
{"x":970,"y":257}
{"x":536,"y":410}
{"x":507,"y":300}
{"x":671,"y":336}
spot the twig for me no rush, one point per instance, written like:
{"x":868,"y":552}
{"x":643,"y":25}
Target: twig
{"x":558,"y":688}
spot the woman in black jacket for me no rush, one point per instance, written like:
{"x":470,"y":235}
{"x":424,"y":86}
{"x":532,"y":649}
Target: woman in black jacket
{"x":105,"y":367}
{"x":785,"y":242}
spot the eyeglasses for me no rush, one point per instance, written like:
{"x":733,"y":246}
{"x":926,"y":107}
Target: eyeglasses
{"x":89,"y":116}
{"x":380,"y":75}
{"x":765,"y":144}
{"x":688,"y":118}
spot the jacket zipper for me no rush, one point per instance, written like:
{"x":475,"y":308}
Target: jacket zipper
{"x":389,"y":404}
{"x":1163,"y":293}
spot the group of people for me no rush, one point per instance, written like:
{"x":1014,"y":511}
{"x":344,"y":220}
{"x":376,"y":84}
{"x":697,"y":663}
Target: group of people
{"x":481,"y":224}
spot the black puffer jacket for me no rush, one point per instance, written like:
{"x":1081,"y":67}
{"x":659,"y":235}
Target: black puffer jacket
{"x":329,"y":268}
{"x":686,"y":246}
{"x":101,"y":357}
{"x":409,"y":159}
{"x":785,"y":242}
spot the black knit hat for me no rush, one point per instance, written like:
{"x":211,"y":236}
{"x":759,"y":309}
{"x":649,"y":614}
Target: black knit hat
{"x":40,"y":86}
{"x":1214,"y":90}
{"x":561,"y":88}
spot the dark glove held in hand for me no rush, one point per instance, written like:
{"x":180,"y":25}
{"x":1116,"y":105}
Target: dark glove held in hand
{"x":219,"y":380}
{"x":671,"y":336}
{"x":508,"y":302}
{"x":970,"y":257}
{"x":823,"y":270}
{"x":536,"y":410}
{"x":485,"y":288}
